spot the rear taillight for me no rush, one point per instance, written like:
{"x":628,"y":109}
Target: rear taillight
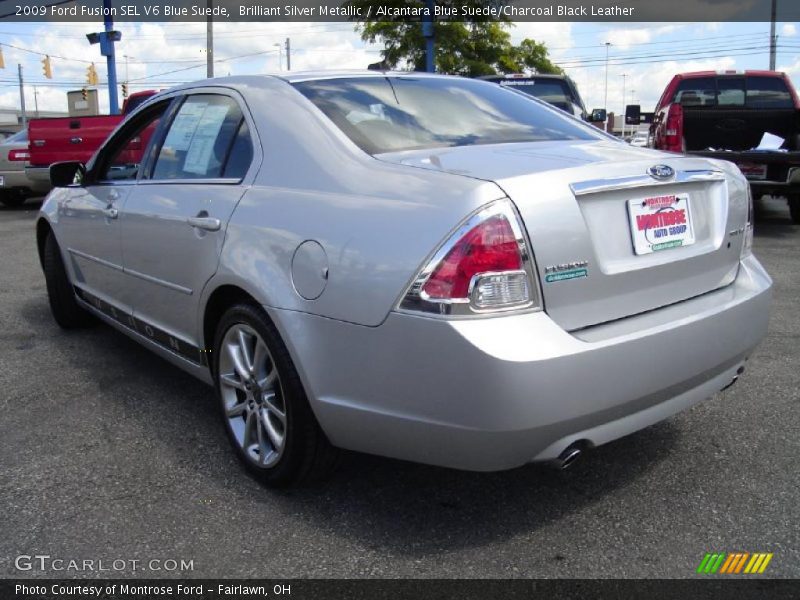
{"x":747,"y":243}
{"x":485,"y":266}
{"x":673,"y":129}
{"x":22,"y":154}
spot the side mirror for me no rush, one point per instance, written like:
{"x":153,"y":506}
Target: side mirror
{"x":633,"y":114}
{"x":63,"y":174}
{"x":598,"y":115}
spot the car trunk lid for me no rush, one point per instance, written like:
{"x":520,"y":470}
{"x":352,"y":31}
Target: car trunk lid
{"x":576,"y":198}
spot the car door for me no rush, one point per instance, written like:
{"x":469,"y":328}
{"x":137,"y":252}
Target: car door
{"x":89,"y":228}
{"x":174,"y":220}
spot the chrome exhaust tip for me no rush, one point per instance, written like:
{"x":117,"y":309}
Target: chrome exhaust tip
{"x":568,"y":457}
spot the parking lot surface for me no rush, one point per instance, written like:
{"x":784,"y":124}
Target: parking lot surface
{"x":109,"y":453}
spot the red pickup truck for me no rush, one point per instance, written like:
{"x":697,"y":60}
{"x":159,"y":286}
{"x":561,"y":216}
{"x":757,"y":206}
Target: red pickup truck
{"x":725,"y":115}
{"x":72,"y":138}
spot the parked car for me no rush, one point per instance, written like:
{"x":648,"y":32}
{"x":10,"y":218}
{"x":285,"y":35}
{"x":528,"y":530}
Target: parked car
{"x":558,"y":90}
{"x":640,"y":139}
{"x":15,"y":187}
{"x":74,"y":138}
{"x":417,"y":266}
{"x":725,"y":115}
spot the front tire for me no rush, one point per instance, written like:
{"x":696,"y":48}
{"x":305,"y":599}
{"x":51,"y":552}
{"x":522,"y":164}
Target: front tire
{"x":794,"y":208}
{"x":65,"y":308}
{"x":262,"y":402}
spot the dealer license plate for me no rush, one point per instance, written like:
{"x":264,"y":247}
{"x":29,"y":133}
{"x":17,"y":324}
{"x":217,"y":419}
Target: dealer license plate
{"x":660,"y":223}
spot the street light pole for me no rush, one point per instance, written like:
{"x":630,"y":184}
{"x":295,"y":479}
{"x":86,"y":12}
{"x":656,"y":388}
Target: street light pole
{"x":22,"y":97}
{"x":773,"y":39}
{"x":624,"y":79}
{"x":605,"y":101}
{"x":209,"y":43}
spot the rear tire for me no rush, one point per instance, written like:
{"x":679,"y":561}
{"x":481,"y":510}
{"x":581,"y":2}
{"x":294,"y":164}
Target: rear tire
{"x":794,"y":208}
{"x":263,"y":404}
{"x":65,"y":308}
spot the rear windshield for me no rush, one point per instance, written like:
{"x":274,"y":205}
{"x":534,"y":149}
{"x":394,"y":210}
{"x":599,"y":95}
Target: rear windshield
{"x":20,"y":136}
{"x":553,"y":91}
{"x":752,"y":91}
{"x":409,"y":113}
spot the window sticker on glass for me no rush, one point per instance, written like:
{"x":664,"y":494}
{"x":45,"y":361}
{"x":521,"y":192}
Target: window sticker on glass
{"x":183,"y":127}
{"x":201,"y":148}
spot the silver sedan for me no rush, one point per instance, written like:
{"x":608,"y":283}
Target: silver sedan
{"x":416,"y":266}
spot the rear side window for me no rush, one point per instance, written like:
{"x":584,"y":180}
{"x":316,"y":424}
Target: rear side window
{"x":241,"y":154}
{"x":753,"y":91}
{"x":552,"y":91}
{"x":389,"y":114}
{"x":199,"y":139}
{"x":700,"y":91}
{"x":768,"y":92}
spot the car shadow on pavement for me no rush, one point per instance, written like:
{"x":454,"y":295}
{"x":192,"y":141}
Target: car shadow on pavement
{"x":395,"y":506}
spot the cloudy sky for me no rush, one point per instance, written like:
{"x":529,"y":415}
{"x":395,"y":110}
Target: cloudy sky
{"x":161,"y":55}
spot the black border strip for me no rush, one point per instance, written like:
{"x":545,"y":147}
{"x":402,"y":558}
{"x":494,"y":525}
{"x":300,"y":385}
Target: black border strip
{"x":187,"y":351}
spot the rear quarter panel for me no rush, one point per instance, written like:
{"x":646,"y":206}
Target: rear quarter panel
{"x":376,"y":222}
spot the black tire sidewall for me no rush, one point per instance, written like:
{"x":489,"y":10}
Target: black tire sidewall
{"x":300,"y":422}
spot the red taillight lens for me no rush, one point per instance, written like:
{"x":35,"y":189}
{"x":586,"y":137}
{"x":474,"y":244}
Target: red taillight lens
{"x":489,"y":247}
{"x":19,"y":155}
{"x":673,"y":129}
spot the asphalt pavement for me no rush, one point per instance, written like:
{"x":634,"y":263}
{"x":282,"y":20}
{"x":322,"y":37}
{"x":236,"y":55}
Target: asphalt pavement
{"x":109,"y":453}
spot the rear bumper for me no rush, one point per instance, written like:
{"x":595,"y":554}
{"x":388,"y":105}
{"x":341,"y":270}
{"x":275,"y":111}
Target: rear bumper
{"x":19,"y":181}
{"x":41,"y":174}
{"x":491,"y":394}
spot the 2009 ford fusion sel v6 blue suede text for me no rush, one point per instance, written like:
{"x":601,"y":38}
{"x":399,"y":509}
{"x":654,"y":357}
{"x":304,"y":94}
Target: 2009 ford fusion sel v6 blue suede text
{"x":416,"y":266}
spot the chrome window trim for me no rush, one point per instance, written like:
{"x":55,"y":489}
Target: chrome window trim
{"x":595,"y":186}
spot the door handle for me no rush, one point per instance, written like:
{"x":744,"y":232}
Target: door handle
{"x":75,"y":140}
{"x":207,"y":223}
{"x":111,"y":212}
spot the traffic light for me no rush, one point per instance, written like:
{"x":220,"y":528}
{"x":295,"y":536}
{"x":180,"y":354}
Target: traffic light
{"x":85,"y":93}
{"x":48,"y":71}
{"x":124,"y":90}
{"x":91,"y":75}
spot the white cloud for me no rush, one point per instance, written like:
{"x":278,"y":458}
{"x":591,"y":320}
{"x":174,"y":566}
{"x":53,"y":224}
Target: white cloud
{"x":789,"y":30}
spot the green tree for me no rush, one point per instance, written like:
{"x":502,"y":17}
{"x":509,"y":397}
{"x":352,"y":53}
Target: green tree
{"x":468,"y":48}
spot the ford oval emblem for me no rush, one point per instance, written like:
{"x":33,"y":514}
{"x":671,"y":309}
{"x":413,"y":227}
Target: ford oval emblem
{"x":661,"y":172}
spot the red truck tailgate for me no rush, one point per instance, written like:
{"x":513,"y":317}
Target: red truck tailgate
{"x":68,"y":138}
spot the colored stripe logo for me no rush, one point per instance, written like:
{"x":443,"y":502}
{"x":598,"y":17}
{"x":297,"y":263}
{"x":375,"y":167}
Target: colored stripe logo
{"x":734,"y":563}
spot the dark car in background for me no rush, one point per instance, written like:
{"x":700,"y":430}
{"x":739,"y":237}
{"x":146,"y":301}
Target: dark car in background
{"x":558,"y":90}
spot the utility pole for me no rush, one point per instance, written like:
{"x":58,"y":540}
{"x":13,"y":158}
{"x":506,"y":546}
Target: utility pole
{"x":280,"y":56}
{"x":427,"y":33}
{"x":773,"y":39}
{"x":22,"y":97}
{"x":288,"y":54}
{"x":36,"y":101}
{"x":209,"y":43}
{"x":624,"y":79}
{"x":605,"y":101}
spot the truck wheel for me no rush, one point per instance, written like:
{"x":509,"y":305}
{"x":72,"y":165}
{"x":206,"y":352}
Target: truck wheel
{"x":263,"y":404}
{"x":66,"y":310}
{"x":12,"y":200}
{"x":794,"y":208}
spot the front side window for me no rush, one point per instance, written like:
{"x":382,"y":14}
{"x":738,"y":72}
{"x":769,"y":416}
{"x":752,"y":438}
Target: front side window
{"x":552,"y":91}
{"x":126,"y":154}
{"x":200,"y":139}
{"x":389,"y":114}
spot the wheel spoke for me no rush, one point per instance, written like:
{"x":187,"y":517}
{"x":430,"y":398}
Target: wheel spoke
{"x":273,"y":407}
{"x":266,"y":383}
{"x":230,"y":379}
{"x":263,"y":451}
{"x":250,"y":422}
{"x":275,"y":436}
{"x":246,"y":354}
{"x":235,"y":354}
{"x":236,"y":410}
